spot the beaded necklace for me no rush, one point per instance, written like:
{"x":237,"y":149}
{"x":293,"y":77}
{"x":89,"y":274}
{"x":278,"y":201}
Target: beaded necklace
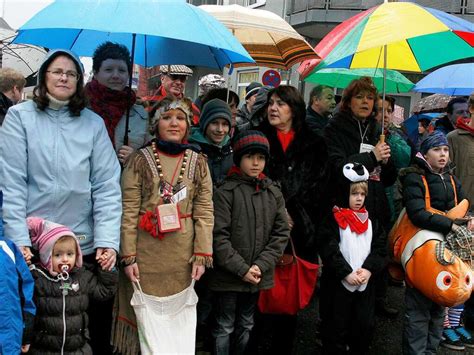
{"x":166,"y":189}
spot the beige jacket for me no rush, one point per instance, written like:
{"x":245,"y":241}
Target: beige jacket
{"x":164,"y":264}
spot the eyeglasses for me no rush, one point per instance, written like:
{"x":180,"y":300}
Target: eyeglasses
{"x":58,"y":74}
{"x":176,"y":77}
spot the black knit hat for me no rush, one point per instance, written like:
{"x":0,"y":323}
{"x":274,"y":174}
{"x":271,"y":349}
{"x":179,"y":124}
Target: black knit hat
{"x":212,"y":110}
{"x":250,"y":141}
{"x":252,"y":89}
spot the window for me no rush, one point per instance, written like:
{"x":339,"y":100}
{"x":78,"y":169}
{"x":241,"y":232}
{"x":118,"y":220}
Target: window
{"x":245,"y":78}
{"x":256,"y":3}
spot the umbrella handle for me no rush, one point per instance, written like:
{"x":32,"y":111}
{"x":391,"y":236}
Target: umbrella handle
{"x":382,"y":138}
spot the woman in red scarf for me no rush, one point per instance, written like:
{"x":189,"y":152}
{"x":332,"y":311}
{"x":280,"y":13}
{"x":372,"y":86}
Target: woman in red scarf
{"x":108,"y":96}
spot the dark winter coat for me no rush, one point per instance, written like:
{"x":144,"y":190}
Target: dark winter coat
{"x":48,"y":297}
{"x":5,"y":104}
{"x":315,"y":121}
{"x":343,"y":139}
{"x":303,"y":173}
{"x":219,"y":158}
{"x":334,"y":263}
{"x":441,"y":196}
{"x":250,"y":227}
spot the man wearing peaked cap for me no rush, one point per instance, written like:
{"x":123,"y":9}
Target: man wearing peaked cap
{"x":173,"y":81}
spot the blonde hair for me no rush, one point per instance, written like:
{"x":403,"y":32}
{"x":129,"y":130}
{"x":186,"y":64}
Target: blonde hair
{"x":9,"y":78}
{"x":361,"y":185}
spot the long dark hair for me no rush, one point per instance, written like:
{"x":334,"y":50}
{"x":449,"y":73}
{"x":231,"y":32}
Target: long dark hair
{"x":77,"y":102}
{"x":292,"y":97}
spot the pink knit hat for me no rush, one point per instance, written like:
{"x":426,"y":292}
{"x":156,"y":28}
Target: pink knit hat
{"x":44,"y":234}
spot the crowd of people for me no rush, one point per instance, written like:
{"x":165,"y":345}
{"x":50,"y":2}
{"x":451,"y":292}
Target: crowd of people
{"x":123,"y":207}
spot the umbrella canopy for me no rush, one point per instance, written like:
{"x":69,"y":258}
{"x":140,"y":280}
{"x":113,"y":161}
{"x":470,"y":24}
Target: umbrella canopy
{"x":411,"y":123}
{"x":269,"y":39}
{"x":417,"y":38}
{"x":432,"y":103}
{"x":457,"y":79}
{"x":163,"y":31}
{"x":342,"y":77}
{"x":25,"y":59}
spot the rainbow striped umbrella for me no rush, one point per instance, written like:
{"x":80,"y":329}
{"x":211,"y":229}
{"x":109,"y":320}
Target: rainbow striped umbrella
{"x":416,"y":38}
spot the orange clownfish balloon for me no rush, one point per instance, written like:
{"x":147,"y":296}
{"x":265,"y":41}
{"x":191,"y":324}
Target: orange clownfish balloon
{"x":429,"y":266}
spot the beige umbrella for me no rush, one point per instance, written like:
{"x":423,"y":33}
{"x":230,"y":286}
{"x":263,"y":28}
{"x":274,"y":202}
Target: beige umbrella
{"x":268,"y":38}
{"x":432,"y":103}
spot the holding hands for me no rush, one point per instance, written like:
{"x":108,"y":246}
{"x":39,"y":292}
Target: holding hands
{"x":106,"y":257}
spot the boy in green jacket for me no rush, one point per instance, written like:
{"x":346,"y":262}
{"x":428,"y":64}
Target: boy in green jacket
{"x":250,"y":234}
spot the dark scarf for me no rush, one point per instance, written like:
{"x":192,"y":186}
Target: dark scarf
{"x":110,"y":104}
{"x":171,"y":148}
{"x":358,"y":221}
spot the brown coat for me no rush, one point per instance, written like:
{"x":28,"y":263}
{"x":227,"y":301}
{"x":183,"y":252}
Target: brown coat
{"x":164,"y":265}
{"x":461,"y":153}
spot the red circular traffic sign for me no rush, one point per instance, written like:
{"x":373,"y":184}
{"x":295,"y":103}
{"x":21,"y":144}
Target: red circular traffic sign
{"x":272,"y":78}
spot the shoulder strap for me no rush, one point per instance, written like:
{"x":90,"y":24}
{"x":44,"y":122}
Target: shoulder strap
{"x":454,"y":189}
{"x":427,"y":193}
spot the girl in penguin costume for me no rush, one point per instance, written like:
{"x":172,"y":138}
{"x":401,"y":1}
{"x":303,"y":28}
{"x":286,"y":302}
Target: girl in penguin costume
{"x":352,"y":248}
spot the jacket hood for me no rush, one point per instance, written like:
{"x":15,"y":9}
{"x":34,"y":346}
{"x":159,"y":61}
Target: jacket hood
{"x":420,"y":166}
{"x":198,"y":137}
{"x":51,"y":55}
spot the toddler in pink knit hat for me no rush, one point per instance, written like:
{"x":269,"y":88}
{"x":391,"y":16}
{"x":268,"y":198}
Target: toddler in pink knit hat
{"x":63,"y":289}
{"x":57,"y":245}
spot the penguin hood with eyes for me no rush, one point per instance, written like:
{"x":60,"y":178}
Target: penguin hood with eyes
{"x":355,"y":172}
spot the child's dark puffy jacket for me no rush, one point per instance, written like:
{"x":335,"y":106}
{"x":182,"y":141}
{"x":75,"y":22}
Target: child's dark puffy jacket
{"x":441,"y":196}
{"x":250,"y":227}
{"x":49,"y":300}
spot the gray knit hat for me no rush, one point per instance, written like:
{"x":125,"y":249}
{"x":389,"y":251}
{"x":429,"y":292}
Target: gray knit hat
{"x":212,"y":110}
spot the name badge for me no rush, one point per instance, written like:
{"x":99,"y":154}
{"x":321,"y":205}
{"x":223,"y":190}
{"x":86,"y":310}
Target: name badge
{"x":180,"y":195}
{"x":366,"y":148}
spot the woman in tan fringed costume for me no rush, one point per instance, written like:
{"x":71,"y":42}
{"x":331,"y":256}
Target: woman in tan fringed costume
{"x":166,"y":171}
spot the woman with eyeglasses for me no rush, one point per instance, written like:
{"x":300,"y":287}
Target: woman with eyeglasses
{"x":110,"y":97}
{"x":57,"y":163}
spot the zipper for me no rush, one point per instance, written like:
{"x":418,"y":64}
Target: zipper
{"x":64,"y":323}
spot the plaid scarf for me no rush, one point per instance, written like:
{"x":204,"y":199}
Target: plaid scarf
{"x":110,"y":104}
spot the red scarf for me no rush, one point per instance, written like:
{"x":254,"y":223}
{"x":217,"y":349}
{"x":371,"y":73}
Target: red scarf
{"x":462,"y":124}
{"x":358,"y":221}
{"x":110,"y":104}
{"x":285,"y":138}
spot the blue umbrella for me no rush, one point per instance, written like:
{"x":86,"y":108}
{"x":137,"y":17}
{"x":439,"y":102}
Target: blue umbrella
{"x":155,"y":31}
{"x":411,"y":123}
{"x":164,"y":31}
{"x":457,"y":79}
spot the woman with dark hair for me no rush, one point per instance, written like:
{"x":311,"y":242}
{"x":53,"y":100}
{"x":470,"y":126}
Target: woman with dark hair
{"x":352,"y":135}
{"x":58,"y":164}
{"x":299,"y":162}
{"x":110,"y":97}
